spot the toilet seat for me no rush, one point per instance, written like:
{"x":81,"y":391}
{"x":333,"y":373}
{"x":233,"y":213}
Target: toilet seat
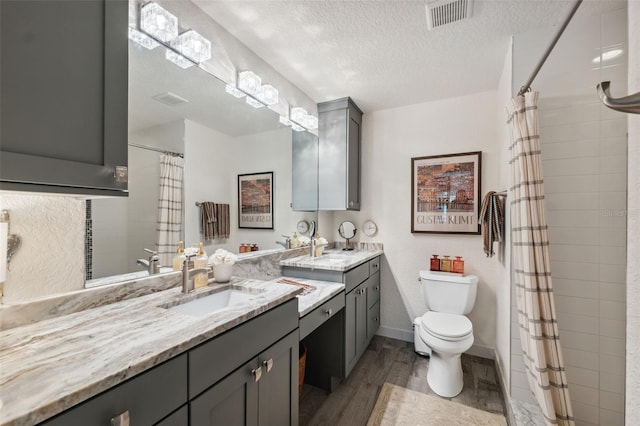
{"x":449,"y":327}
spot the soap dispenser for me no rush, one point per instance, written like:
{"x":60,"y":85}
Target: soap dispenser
{"x":179,"y":257}
{"x":201,"y":261}
{"x":295,"y":242}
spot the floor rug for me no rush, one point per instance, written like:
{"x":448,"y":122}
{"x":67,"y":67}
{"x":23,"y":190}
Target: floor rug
{"x":400,"y":406}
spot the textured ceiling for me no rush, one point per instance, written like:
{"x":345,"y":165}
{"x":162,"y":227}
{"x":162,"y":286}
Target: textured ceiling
{"x":380,"y":52}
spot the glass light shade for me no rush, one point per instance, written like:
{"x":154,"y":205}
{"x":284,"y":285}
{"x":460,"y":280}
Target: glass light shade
{"x":285,"y":121}
{"x":178,"y":59}
{"x":299,"y":115}
{"x":249,"y":82}
{"x":158,"y":22}
{"x":233,"y":91}
{"x":254,"y":103}
{"x":193,"y":46}
{"x":142,"y":39}
{"x":297,"y":128}
{"x":268,"y":94}
{"x":311,"y":122}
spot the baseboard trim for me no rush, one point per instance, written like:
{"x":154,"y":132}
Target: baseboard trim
{"x":395,"y":333}
{"x":482,"y":352}
{"x":511,"y":421}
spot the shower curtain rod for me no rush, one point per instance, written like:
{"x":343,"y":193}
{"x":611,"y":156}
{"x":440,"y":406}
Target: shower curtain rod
{"x":527,"y":85}
{"x":150,"y":148}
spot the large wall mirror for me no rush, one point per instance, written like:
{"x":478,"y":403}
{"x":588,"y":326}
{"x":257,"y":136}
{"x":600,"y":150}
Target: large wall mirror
{"x":186,"y":112}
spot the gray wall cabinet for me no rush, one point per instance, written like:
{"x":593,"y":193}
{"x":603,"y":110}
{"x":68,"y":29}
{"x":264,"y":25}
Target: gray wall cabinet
{"x":339,"y":129}
{"x":304,"y":172}
{"x":64,"y":85}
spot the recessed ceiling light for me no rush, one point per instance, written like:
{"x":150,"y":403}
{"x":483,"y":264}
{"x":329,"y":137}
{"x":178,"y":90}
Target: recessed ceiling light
{"x":607,"y":56}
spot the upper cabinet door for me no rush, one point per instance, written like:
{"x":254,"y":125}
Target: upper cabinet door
{"x":339,"y":155}
{"x":64,"y":94}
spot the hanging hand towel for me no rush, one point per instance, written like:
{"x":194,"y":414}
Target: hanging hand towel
{"x":492,"y":220}
{"x":208,"y":220}
{"x":223,"y":225}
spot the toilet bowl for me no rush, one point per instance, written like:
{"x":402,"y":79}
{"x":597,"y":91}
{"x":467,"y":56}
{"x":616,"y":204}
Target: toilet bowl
{"x":444,"y":332}
{"x":448,"y":336}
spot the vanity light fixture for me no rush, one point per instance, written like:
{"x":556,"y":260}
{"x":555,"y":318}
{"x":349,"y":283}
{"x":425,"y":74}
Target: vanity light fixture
{"x":233,"y":91}
{"x":254,"y":103}
{"x":285,"y":121}
{"x":158,"y":22}
{"x":178,"y":59}
{"x":249,"y":82}
{"x":193,"y":46}
{"x":142,"y":39}
{"x":311,"y":122}
{"x":267,"y":94}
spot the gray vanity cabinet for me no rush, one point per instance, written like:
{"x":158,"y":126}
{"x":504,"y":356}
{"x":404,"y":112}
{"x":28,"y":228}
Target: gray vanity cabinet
{"x":145,"y":399}
{"x":339,"y":130}
{"x":64,"y":84}
{"x":261,"y":392}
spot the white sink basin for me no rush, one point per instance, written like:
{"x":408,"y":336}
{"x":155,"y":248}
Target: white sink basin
{"x":210,"y":303}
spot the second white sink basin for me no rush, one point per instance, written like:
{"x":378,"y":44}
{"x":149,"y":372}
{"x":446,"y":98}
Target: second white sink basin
{"x":211,"y":303}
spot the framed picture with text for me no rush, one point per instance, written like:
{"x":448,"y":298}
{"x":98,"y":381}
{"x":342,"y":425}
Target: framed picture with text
{"x":445,"y":193}
{"x":255,"y":200}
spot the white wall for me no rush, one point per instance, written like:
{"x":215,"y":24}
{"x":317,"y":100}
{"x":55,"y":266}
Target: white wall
{"x":633,"y":227}
{"x":584,"y":160}
{"x":503,"y":286}
{"x":51,"y":257}
{"x":390,"y":139}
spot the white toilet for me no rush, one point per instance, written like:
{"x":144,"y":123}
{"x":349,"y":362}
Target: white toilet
{"x":444,"y":332}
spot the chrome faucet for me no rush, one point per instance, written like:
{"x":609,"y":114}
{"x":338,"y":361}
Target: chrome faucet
{"x":188,"y":274}
{"x":287,"y":242}
{"x":153,"y":264}
{"x":314,"y":246}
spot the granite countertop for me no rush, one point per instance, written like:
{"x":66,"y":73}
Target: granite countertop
{"x":319,"y":292}
{"x":333,"y":260}
{"x":52,"y":365}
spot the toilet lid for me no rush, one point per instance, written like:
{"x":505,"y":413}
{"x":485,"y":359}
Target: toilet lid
{"x":446,"y":326}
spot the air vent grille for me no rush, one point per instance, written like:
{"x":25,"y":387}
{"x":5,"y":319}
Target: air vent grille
{"x":440,"y":13}
{"x":170,"y":99}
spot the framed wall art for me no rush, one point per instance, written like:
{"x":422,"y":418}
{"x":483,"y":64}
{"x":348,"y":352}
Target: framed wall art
{"x":255,"y":200}
{"x":445,"y":193}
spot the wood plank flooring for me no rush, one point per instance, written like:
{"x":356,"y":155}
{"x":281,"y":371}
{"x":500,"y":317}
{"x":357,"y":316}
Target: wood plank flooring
{"x":394,"y":361}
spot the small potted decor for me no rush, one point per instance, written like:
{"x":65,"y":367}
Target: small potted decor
{"x":222,"y":264}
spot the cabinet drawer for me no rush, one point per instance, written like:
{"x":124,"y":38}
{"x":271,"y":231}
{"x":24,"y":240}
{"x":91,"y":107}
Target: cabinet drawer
{"x":319,"y":315}
{"x":211,"y":361}
{"x":356,"y":276}
{"x":147,"y":397}
{"x":373,"y":321}
{"x":373,"y":290}
{"x":374,"y":265}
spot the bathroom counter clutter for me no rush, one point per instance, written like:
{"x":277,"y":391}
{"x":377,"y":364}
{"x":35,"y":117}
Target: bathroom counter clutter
{"x":333,"y":260}
{"x":52,"y":365}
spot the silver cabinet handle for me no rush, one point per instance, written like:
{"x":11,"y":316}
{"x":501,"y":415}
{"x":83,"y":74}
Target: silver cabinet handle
{"x":329,"y":312}
{"x":350,"y":203}
{"x":121,"y":419}
{"x":376,"y":288}
{"x":257,"y":373}
{"x":375,"y":265}
{"x":268,"y":364}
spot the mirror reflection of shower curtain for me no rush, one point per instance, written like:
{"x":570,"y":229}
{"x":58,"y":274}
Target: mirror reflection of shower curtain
{"x":170,"y":207}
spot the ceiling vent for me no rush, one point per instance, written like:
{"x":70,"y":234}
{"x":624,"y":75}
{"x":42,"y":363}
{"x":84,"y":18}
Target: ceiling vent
{"x":442,"y":12}
{"x":170,"y":99}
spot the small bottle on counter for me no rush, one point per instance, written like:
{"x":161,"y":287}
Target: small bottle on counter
{"x":254,"y":247}
{"x":201,"y":261}
{"x":434,"y":263}
{"x":445,"y":264}
{"x":458,"y":265}
{"x":295,"y":242}
{"x":179,"y":258}
{"x":243,"y":248}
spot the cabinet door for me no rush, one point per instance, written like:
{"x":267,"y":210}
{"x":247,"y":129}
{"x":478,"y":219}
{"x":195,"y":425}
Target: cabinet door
{"x":232,"y":401}
{"x":355,"y":327}
{"x":373,"y":321}
{"x":278,"y":387}
{"x":178,"y":418}
{"x":64,"y":84}
{"x":353,"y":161}
{"x":304,"y":174}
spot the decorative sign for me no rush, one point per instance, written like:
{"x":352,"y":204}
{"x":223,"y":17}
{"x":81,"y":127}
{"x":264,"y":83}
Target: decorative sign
{"x":445,"y":193}
{"x":255,"y":200}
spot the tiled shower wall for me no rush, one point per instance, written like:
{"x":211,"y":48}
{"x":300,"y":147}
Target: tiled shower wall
{"x":584,"y":153}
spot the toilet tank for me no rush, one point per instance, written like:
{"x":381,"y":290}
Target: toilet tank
{"x":447,"y":292}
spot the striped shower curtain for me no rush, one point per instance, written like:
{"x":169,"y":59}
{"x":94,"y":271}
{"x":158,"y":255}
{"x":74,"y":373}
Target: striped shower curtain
{"x":169,"y":227}
{"x":531,"y":266}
